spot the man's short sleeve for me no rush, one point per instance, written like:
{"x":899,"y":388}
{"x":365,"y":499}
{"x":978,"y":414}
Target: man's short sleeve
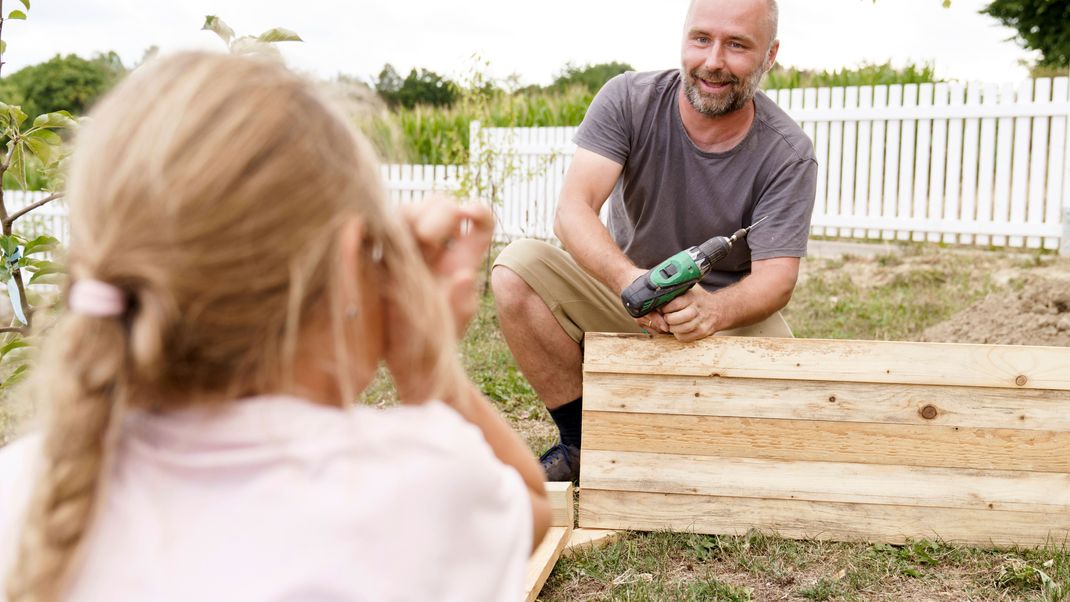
{"x":788,"y":200}
{"x":606,"y":128}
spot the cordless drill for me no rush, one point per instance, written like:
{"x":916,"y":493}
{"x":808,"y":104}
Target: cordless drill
{"x":674,"y":276}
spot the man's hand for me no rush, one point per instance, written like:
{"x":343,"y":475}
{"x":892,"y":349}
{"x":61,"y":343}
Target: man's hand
{"x":653,"y":322}
{"x":693,"y":315}
{"x":453,"y":239}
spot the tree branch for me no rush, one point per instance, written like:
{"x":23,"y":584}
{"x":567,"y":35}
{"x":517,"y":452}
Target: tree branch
{"x":28,"y":208}
{"x":17,"y":329}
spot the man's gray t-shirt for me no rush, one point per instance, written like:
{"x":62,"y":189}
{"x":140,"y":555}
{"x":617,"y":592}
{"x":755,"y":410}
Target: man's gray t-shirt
{"x":672,"y":195}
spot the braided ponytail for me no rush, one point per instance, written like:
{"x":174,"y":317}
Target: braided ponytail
{"x":85,"y":366}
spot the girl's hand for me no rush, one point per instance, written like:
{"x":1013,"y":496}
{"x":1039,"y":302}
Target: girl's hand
{"x":453,"y":240}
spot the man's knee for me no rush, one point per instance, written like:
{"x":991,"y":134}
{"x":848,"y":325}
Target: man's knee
{"x":509,"y":288}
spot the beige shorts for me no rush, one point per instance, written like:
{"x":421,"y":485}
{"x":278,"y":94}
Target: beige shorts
{"x":582,"y":304}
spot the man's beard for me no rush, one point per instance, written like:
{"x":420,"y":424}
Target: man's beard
{"x":739,"y":92}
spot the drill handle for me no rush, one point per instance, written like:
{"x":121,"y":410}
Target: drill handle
{"x":642,"y":296}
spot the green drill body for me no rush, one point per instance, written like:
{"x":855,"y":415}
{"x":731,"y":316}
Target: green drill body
{"x":674,"y":276}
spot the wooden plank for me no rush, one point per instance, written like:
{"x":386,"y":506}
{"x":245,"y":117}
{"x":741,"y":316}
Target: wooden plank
{"x":1006,"y":366}
{"x":876,"y":162}
{"x":1020,"y":163}
{"x":820,"y":135}
{"x":851,"y":151}
{"x":986,"y":164}
{"x":827,"y":441}
{"x":561,"y":501}
{"x":977,"y":407}
{"x":922,"y":161}
{"x":1038,"y":158}
{"x":863,"y":161}
{"x":818,"y":520}
{"x":544,"y":558}
{"x":1056,"y":167}
{"x":827,"y":481}
{"x":906,"y":161}
{"x":938,"y":165}
{"x":953,"y":207}
{"x":836,"y":159}
{"x":586,"y":539}
{"x":970,"y":143}
{"x":1004,"y":149}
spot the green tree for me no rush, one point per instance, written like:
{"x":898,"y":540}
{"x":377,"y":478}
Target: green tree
{"x":1042,"y":25}
{"x":69,"y":83}
{"x":593,"y":77}
{"x":420,"y":87}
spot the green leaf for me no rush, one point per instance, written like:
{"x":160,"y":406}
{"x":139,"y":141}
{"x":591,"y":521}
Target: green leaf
{"x":56,"y":119}
{"x":11,"y":346}
{"x":11,"y":114}
{"x":279,"y":34}
{"x":215,"y":24}
{"x":17,"y":166}
{"x":26,"y":3}
{"x":3,"y":46}
{"x":16,"y":300}
{"x":41,"y":244}
{"x":9,"y":244}
{"x":45,"y":268}
{"x":17,"y":14}
{"x":16,"y":376}
{"x":39,"y":148}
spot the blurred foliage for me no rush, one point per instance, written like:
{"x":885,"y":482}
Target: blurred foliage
{"x":1042,"y":25}
{"x":69,"y":83}
{"x":427,"y":134}
{"x":866,"y":74}
{"x":420,"y":87}
{"x":593,"y":77}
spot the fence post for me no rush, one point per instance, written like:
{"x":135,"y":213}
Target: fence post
{"x":475,"y":161}
{"x":1064,"y":241}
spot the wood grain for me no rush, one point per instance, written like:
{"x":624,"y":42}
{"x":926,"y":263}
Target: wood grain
{"x":544,"y":558}
{"x":1004,"y":366}
{"x":827,"y":481}
{"x":827,"y":441}
{"x":561,"y":503}
{"x":983,"y":407}
{"x":818,"y":520}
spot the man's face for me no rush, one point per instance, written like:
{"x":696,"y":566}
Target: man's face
{"x":726,"y":51}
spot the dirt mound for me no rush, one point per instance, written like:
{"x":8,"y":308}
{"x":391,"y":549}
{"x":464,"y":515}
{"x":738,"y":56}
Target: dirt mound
{"x":1036,"y":314}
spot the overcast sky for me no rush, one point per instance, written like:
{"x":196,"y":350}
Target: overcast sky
{"x":532,"y":40}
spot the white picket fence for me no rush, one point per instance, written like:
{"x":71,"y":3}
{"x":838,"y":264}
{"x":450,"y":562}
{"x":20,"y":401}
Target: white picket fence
{"x":976,"y":164}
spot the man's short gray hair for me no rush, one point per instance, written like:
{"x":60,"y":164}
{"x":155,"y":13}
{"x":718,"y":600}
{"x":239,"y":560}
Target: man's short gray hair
{"x":771,"y":22}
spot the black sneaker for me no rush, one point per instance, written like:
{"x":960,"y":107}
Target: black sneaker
{"x":561,"y":463}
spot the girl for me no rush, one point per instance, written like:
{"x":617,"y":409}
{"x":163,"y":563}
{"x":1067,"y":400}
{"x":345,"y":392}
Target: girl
{"x":235,"y":281}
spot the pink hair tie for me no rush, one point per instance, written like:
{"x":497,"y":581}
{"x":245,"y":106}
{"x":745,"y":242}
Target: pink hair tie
{"x":95,"y":298}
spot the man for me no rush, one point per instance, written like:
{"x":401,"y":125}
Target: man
{"x":682,"y":155}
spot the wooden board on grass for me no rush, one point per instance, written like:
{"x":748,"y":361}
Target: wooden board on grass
{"x":827,"y":439}
{"x":545,"y":556}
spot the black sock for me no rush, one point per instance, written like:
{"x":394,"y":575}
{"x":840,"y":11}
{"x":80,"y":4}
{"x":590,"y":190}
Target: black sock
{"x":568,"y":420}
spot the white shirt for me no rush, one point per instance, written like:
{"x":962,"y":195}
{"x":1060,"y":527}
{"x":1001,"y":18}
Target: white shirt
{"x":275,"y":498}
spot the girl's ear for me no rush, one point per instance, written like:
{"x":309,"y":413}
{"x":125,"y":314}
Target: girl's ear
{"x":350,"y":243}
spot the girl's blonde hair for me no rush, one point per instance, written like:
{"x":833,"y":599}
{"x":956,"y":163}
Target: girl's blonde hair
{"x":210,"y":189}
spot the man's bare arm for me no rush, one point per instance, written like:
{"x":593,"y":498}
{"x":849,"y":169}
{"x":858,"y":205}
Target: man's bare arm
{"x":588,"y":183}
